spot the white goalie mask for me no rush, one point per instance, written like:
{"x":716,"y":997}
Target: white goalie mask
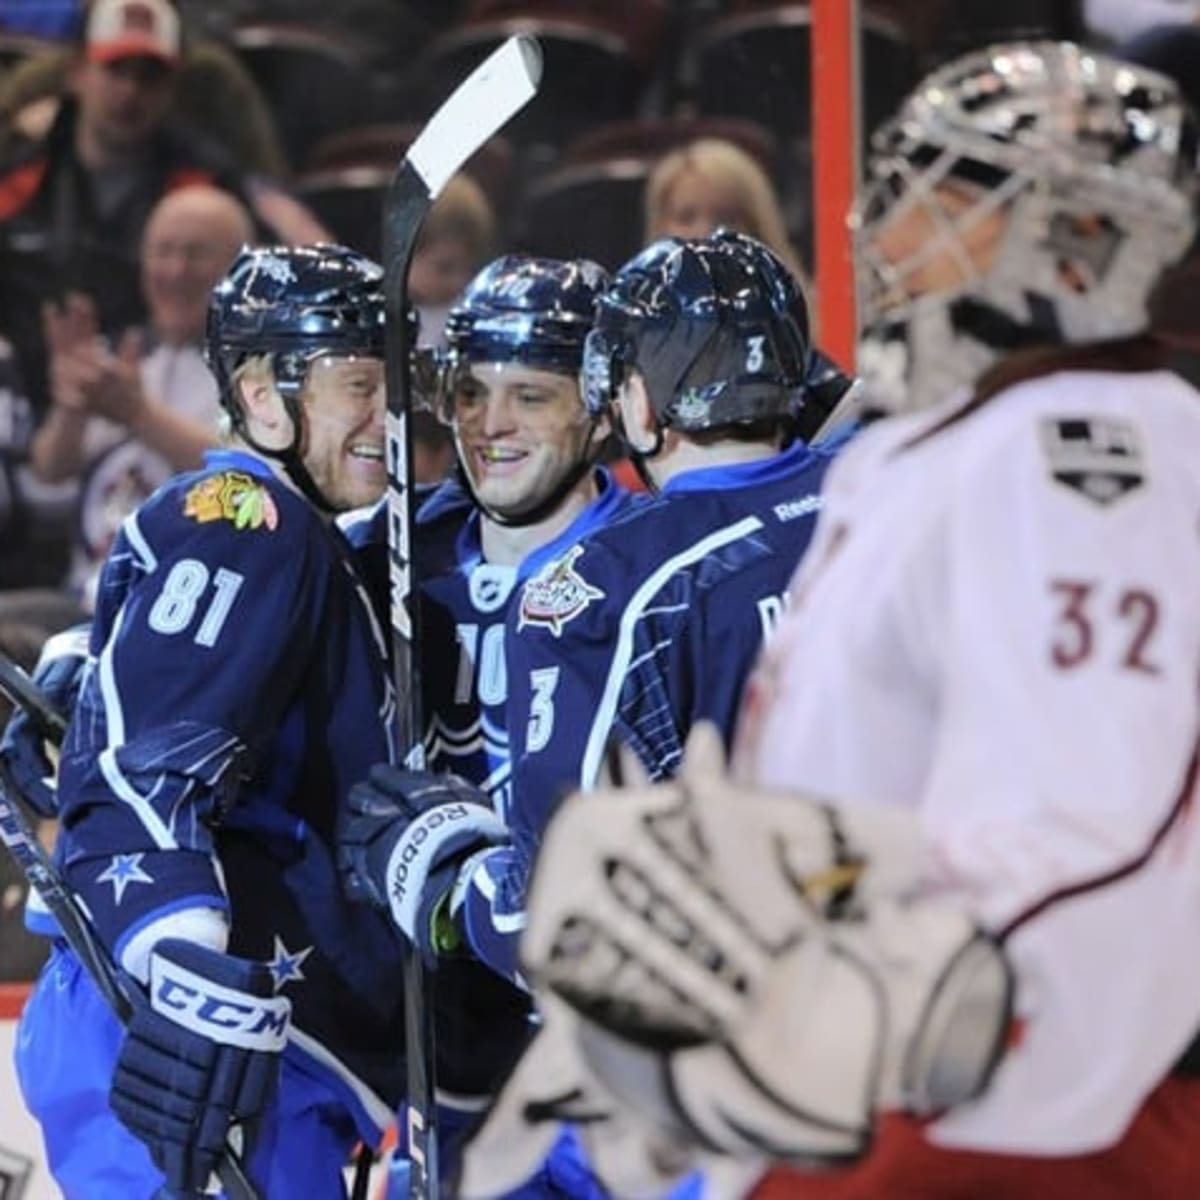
{"x":1041,"y":189}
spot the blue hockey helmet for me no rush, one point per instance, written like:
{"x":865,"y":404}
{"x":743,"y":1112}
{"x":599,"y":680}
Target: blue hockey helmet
{"x":717,"y":326}
{"x":295,"y":303}
{"x":533,"y":311}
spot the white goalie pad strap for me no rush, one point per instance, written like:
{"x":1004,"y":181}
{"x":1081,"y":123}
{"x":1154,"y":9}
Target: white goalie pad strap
{"x":552,"y":1084}
{"x":419,"y":848}
{"x":516,"y":1135}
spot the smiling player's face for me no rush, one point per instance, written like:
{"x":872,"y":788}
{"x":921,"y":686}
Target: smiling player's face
{"x":344,"y":403}
{"x":520,"y":431}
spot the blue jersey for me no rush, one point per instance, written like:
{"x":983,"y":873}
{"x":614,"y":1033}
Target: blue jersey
{"x":465,"y":602}
{"x":238,"y":689}
{"x":634,"y":634}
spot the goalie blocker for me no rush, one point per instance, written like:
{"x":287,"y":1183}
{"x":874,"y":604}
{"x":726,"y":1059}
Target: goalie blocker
{"x":755,"y":973}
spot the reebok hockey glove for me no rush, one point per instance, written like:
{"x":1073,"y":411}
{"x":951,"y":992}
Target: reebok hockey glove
{"x":58,"y":674}
{"x":201,"y":1054}
{"x":402,"y":838}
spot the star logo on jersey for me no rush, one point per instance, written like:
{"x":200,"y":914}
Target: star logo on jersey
{"x":556,"y":594}
{"x":121,"y":872}
{"x":285,"y":965}
{"x":1098,"y":457}
{"x":232,"y":496}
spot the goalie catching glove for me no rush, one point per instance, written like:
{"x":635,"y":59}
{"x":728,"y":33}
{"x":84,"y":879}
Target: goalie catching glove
{"x":200,"y":1058}
{"x":403,"y":838}
{"x":760,"y":973}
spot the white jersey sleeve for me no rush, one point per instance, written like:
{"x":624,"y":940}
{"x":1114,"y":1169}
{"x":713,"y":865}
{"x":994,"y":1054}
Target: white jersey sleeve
{"x":1000,"y":628}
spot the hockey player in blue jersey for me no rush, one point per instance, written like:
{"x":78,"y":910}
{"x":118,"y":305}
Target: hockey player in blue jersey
{"x":236,"y":687}
{"x":527,"y":486}
{"x":701,"y":350}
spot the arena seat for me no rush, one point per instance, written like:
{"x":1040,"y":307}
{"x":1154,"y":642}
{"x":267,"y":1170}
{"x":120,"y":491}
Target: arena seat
{"x":590,"y":72}
{"x":756,"y":63}
{"x":314,"y":82}
{"x":346,"y":175}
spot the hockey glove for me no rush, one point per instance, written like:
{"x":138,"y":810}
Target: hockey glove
{"x":403,"y":837}
{"x":201,"y":1056}
{"x":58,"y":674}
{"x":757,"y":970}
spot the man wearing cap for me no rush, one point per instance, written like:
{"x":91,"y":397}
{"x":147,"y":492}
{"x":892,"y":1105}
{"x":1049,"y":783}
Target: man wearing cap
{"x":72,"y":208}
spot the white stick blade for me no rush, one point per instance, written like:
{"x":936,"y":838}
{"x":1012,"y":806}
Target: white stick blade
{"x":486,"y":100}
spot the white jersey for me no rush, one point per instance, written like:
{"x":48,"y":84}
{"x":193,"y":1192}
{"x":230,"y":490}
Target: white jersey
{"x":998,"y":626}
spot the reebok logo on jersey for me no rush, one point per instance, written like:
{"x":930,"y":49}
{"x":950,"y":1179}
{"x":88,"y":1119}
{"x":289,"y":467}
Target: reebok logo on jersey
{"x":790,"y":510}
{"x":556,"y":594}
{"x":1098,"y":457}
{"x":232,"y":496}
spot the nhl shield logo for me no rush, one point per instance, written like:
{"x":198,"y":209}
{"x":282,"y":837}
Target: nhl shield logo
{"x":556,"y":594}
{"x":1100,"y":458}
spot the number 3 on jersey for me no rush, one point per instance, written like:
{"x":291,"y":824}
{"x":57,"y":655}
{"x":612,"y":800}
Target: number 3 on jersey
{"x":183,"y":590}
{"x":542,"y":683}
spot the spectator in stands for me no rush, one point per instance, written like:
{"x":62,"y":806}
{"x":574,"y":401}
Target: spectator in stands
{"x":214,"y":95}
{"x":712,"y":182}
{"x":72,"y":208}
{"x":123,"y":420}
{"x":456,"y":240}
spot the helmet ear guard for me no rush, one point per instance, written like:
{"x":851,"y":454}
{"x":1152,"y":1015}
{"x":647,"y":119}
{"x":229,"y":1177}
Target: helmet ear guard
{"x":601,"y":372}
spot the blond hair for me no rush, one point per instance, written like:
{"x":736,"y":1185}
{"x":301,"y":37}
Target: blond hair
{"x":732,"y":170}
{"x":462,"y":212}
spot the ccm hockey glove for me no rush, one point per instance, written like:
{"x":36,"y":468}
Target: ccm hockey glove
{"x":403,"y":837}
{"x":201,"y":1055}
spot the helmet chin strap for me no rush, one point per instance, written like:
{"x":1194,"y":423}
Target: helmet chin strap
{"x":640,"y":457}
{"x":288,"y":458}
{"x":995,"y":328}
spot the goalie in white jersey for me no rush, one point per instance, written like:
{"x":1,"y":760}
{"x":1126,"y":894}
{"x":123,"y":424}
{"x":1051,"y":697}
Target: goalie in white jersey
{"x":942,"y":921}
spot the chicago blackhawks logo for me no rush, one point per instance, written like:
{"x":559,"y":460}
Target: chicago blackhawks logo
{"x":556,"y":594}
{"x":232,"y":496}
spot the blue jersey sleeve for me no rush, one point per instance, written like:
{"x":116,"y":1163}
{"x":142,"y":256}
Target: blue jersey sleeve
{"x":207,"y":606}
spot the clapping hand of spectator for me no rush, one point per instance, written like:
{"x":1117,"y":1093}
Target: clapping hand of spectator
{"x":86,"y":375}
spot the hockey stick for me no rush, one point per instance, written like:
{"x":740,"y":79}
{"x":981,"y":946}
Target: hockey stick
{"x":492,"y":94}
{"x":26,"y":694}
{"x":62,"y":904}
